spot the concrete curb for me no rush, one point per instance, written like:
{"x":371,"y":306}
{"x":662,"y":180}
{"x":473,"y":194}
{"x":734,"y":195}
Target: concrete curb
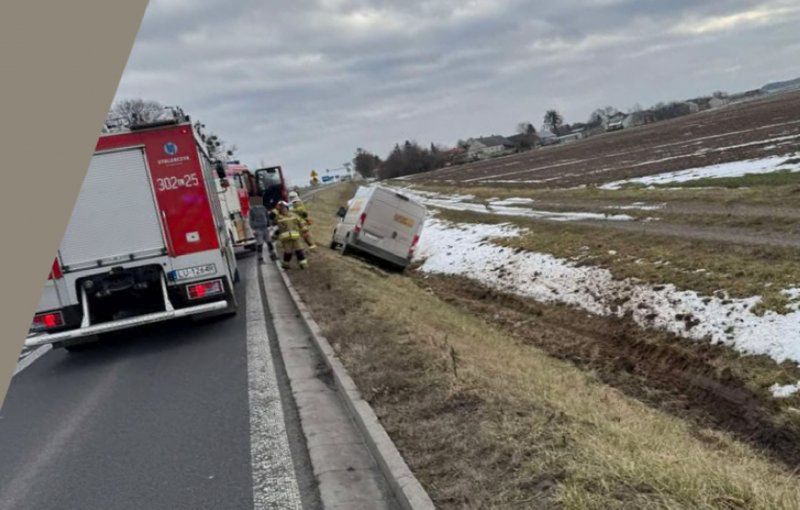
{"x":405,"y":486}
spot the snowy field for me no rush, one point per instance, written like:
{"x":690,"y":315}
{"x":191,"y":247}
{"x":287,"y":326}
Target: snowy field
{"x":733,"y":169}
{"x":466,"y":250}
{"x":516,"y":207}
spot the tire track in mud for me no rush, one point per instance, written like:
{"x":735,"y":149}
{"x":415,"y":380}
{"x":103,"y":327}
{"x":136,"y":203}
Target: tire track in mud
{"x":688,"y":379}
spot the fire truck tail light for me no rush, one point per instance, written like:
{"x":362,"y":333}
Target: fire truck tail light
{"x":205,"y":289}
{"x":55,"y":271}
{"x":360,"y":224}
{"x":48,"y":320}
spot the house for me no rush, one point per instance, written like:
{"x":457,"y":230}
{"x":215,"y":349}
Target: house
{"x":489,"y":147}
{"x":547,"y":137}
{"x":638,"y":118}
{"x":456,"y":155}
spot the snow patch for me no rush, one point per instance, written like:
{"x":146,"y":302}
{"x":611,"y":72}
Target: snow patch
{"x":506,"y":207}
{"x":641,"y":206}
{"x":732,"y":169}
{"x":466,"y":250}
{"x":784,"y":391}
{"x":511,"y":201}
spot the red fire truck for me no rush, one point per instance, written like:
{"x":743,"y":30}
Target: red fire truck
{"x":270,"y":185}
{"x":268,"y":182}
{"x":240,"y":175}
{"x":146,"y":241}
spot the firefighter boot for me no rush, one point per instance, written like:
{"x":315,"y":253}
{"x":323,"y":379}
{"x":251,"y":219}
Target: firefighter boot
{"x":287,"y":258}
{"x":302,"y":261}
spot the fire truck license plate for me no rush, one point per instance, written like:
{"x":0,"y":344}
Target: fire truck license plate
{"x":195,"y":272}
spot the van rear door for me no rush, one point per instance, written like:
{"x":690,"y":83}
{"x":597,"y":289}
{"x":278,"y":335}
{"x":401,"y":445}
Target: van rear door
{"x":392,"y":221}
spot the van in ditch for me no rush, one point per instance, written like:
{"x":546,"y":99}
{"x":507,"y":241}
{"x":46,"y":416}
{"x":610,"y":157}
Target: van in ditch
{"x":381,"y":222}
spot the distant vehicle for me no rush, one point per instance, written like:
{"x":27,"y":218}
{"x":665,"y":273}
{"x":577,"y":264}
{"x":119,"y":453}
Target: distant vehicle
{"x":615,"y":125}
{"x":146,"y":241}
{"x":381,"y":222}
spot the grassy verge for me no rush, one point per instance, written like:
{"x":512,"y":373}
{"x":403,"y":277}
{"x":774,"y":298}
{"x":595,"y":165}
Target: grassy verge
{"x":488,"y":421}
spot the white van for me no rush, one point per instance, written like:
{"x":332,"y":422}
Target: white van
{"x":380,"y":222}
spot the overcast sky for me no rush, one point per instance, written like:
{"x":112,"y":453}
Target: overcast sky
{"x":303,"y":83}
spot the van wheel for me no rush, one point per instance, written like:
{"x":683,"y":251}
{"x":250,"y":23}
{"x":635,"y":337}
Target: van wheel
{"x":333,"y":245}
{"x":236,"y":275}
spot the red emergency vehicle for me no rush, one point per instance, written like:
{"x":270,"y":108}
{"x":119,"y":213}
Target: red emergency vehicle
{"x":239,"y":174}
{"x":146,"y":241}
{"x":271,"y":185}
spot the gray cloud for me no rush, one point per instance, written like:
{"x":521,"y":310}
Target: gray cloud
{"x":304,"y":83}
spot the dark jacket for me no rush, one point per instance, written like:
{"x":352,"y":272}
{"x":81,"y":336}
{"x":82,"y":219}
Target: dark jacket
{"x":259,"y":217}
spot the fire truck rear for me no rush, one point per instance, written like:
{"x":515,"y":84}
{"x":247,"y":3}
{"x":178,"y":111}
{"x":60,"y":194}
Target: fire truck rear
{"x":146,"y":241}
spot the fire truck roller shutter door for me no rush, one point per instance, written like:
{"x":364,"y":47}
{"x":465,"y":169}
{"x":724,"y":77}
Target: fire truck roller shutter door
{"x":115,"y":214}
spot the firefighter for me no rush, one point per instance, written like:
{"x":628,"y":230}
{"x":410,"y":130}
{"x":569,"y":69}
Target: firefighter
{"x":260,"y":223}
{"x":288,"y":234}
{"x":299,"y":208}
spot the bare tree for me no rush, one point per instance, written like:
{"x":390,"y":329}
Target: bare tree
{"x":525,"y":128}
{"x":126,"y":112}
{"x":366,"y":163}
{"x":552,"y":120}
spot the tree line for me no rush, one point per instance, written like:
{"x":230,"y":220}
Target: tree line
{"x":405,"y":159}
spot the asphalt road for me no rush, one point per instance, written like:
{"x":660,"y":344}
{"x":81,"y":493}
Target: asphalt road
{"x":151,"y":418}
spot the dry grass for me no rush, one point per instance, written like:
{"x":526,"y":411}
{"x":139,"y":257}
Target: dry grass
{"x":486,"y":421}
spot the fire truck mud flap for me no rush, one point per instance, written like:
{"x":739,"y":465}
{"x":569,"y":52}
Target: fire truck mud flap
{"x":107,"y":327}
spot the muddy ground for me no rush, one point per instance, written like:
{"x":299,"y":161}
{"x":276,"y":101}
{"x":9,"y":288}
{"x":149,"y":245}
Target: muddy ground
{"x":692,"y":380}
{"x":755,"y":129}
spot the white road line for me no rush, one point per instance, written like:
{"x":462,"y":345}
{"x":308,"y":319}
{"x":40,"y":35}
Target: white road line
{"x":31,"y":357}
{"x":274,"y":481}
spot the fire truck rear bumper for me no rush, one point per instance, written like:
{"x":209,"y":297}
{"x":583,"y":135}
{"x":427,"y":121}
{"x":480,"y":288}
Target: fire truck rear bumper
{"x":106,"y":327}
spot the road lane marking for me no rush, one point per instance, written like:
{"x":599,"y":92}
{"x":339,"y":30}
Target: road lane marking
{"x":31,"y":357}
{"x":274,"y":480}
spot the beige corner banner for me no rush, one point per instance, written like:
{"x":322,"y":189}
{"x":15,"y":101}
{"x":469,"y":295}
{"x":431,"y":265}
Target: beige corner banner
{"x":60,"y":64}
